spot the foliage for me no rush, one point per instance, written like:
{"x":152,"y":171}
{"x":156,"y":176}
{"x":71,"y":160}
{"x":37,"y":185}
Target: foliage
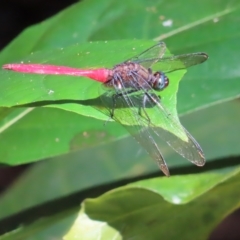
{"x":86,"y":153}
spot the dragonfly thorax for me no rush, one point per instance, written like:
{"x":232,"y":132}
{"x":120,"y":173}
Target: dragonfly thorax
{"x":130,"y":75}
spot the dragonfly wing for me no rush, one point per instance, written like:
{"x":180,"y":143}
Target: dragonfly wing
{"x":150,"y":56}
{"x":175,"y":135}
{"x":130,"y":108}
{"x":145,"y":138}
{"x":178,"y":62}
{"x":170,"y":128}
{"x":149,"y":135}
{"x":126,"y":112}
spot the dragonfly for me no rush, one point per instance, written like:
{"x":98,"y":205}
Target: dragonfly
{"x":132,"y":85}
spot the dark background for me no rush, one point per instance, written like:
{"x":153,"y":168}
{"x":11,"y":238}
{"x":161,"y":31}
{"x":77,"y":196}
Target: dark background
{"x":15,"y":16}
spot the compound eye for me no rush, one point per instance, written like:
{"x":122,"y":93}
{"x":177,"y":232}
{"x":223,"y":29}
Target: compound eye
{"x":161,"y":81}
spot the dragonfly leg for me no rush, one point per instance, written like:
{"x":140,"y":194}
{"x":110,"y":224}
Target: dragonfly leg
{"x":148,"y":98}
{"x":116,"y":96}
{"x":143,"y":107}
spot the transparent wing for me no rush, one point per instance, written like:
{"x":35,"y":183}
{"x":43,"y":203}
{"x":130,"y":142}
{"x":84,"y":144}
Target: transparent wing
{"x":154,"y":55}
{"x":177,"y":62}
{"x":188,"y":148}
{"x":150,"y":56}
{"x":129,"y":111}
{"x":126,"y":112}
{"x":170,"y":131}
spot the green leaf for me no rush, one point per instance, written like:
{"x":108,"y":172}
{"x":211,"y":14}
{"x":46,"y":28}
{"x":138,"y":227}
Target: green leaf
{"x":188,"y":33}
{"x":139,"y":210}
{"x":18,"y":89}
{"x":46,"y":133}
{"x":202,"y":86}
{"x":143,"y":214}
{"x":110,"y":161}
{"x":213,"y":28}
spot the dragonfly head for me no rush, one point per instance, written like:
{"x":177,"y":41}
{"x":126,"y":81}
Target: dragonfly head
{"x":161,"y":81}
